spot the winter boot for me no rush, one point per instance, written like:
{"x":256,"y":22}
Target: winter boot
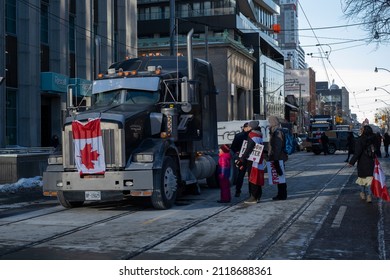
{"x":362,"y":195}
{"x":251,"y":200}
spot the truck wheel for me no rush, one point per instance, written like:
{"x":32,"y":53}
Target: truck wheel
{"x":165,"y":190}
{"x":66,"y":203}
{"x":331,"y":149}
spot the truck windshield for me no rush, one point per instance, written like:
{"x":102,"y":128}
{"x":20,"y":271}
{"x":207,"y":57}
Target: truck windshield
{"x":125,"y":96}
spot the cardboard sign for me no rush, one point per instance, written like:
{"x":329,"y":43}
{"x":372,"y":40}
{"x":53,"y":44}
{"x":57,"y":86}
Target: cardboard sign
{"x":273,"y":177}
{"x":255,"y":156}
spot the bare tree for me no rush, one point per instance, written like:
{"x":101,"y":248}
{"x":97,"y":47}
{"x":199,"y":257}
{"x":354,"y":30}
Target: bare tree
{"x":374,"y":15}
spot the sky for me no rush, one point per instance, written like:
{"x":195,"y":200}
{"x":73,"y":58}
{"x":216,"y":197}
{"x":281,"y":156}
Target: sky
{"x":351,"y":61}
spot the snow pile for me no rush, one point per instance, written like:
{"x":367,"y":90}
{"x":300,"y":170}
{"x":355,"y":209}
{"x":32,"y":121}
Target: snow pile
{"x":22,"y":184}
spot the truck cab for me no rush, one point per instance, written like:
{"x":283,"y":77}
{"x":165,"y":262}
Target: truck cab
{"x":158,"y":129}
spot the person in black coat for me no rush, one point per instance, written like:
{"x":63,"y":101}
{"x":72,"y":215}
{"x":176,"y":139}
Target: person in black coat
{"x":276,"y":153}
{"x":378,"y":144}
{"x":365,"y":158}
{"x":325,"y":143}
{"x":239,"y":138}
{"x":386,"y":143}
{"x":350,"y":145}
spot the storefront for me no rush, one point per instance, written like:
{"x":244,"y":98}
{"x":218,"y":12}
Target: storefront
{"x":54,"y":88}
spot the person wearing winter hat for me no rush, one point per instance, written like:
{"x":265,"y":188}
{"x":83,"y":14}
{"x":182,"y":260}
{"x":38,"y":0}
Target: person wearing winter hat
{"x":224,"y":173}
{"x":238,"y":140}
{"x":276,"y":153}
{"x":255,"y":169}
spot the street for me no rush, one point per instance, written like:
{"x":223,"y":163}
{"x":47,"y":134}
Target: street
{"x":322,"y":219}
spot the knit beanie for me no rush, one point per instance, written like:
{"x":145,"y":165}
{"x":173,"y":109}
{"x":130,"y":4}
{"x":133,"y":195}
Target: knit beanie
{"x":225,"y":148}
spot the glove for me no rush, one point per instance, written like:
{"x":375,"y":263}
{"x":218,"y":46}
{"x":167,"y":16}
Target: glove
{"x":239,"y":164}
{"x":277,"y":168}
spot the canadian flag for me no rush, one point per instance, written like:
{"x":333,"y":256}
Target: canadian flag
{"x":88,"y":147}
{"x":378,"y":185}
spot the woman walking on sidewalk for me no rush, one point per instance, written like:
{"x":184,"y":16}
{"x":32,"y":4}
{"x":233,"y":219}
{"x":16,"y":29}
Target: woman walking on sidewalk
{"x":364,"y":156}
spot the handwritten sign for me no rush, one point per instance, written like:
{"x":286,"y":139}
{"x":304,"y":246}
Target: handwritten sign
{"x":255,"y":155}
{"x":273,"y":177}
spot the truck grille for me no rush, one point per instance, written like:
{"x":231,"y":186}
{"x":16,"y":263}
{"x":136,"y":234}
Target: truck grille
{"x":111,"y":143}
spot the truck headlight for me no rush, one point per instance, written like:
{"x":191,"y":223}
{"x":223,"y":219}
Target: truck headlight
{"x":143,"y":158}
{"x":54,"y":160}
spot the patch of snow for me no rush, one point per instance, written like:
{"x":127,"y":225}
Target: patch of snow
{"x":24,"y":183}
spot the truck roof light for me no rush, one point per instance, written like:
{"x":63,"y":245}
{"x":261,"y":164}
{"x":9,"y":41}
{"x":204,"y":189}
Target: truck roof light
{"x":100,"y":76}
{"x":133,"y":72}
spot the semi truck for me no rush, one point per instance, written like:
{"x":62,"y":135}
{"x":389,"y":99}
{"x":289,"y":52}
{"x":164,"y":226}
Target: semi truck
{"x":158,"y":120}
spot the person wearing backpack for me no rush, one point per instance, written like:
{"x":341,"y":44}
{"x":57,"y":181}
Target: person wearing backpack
{"x":276,"y":153}
{"x":365,"y":157}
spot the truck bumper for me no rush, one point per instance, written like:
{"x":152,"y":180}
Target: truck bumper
{"x":133,"y":182}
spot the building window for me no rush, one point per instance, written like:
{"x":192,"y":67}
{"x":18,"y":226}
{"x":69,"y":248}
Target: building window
{"x":72,"y":34}
{"x":44,"y":24}
{"x":11,"y":117}
{"x":10,"y":16}
{"x":45,"y":58}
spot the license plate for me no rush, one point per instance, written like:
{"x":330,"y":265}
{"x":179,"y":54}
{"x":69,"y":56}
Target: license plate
{"x":93,"y":195}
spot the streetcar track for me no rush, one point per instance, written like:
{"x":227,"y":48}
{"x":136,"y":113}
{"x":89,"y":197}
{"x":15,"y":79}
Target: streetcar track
{"x":66,"y":233}
{"x":266,"y":246}
{"x":278,"y":233}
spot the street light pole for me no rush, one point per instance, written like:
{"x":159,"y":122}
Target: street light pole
{"x":265,"y":90}
{"x":375,"y":88}
{"x":379,"y":68}
{"x":376,"y":100}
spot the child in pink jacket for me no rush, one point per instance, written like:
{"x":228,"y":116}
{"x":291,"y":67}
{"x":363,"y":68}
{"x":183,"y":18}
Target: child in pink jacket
{"x":224,"y":173}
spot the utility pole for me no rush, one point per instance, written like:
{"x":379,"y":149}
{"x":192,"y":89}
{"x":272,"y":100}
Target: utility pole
{"x":172,"y":26}
{"x":300,"y":121}
{"x":265,"y":90}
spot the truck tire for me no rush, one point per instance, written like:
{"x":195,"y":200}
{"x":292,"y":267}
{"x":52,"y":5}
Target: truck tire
{"x":166,"y":185}
{"x":66,"y":203}
{"x":331,"y":149}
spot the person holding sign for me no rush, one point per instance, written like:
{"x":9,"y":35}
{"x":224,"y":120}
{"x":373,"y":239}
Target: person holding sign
{"x":236,"y":148}
{"x":276,"y":158}
{"x":252,"y":156}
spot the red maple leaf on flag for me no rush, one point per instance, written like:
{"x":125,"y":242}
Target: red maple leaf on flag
{"x":87,"y":156}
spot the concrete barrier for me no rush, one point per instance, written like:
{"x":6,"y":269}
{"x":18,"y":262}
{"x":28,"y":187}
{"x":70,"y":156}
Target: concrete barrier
{"x":20,"y":163}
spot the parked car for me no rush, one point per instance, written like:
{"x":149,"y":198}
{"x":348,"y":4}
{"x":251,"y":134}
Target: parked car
{"x":337,"y":141}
